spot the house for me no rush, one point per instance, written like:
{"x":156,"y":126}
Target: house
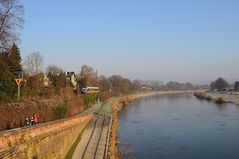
{"x":236,"y":86}
{"x":46,"y":80}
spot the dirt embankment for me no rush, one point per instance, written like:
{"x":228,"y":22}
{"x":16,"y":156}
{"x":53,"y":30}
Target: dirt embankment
{"x":114,"y":144}
{"x":12,"y":115}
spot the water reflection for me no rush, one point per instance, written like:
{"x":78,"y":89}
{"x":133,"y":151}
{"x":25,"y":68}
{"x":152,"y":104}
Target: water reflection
{"x":221,"y":106}
{"x":179,"y":126}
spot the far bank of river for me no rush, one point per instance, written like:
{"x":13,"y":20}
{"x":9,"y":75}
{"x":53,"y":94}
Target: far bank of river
{"x":178,"y":126}
{"x":229,"y":98}
{"x":218,"y":97}
{"x":117,"y":106}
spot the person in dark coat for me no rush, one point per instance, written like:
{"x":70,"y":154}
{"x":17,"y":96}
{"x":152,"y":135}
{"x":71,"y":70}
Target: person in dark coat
{"x":27,"y":122}
{"x":32,"y":122}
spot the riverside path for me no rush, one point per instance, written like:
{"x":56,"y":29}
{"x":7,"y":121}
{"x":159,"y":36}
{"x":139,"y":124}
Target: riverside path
{"x":94,"y":139}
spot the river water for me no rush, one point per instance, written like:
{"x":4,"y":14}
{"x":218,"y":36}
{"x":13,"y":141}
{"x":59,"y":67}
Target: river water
{"x":179,"y":126}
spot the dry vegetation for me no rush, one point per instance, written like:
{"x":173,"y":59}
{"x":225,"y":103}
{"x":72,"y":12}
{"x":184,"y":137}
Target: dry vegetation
{"x":13,"y":114}
{"x":205,"y":96}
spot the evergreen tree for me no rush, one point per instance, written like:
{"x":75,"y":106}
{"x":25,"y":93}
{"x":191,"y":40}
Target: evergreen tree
{"x":7,"y":86}
{"x":7,"y":81}
{"x":14,"y":60}
{"x":10,"y":65}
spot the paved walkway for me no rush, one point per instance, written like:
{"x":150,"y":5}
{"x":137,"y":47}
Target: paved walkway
{"x":93,"y":143}
{"x":94,"y":139}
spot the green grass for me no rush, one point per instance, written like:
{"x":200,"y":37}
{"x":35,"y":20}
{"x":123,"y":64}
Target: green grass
{"x":106,"y":109}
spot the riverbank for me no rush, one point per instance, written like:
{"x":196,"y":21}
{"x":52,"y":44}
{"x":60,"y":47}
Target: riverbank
{"x":218,"y":97}
{"x":117,"y":105}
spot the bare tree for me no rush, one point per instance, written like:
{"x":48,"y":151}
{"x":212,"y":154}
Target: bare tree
{"x":119,"y":84}
{"x":88,"y":73}
{"x":11,"y":12}
{"x":54,"y":69}
{"x":219,"y":84}
{"x":33,"y":62}
{"x":103,"y":83}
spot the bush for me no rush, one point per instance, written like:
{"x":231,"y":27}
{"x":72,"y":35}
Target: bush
{"x":220,"y":100}
{"x":61,"y":110}
{"x":103,"y":96}
{"x":200,"y":95}
{"x":209,"y":98}
{"x":90,"y":99}
{"x":37,"y":92}
{"x":34,"y":86}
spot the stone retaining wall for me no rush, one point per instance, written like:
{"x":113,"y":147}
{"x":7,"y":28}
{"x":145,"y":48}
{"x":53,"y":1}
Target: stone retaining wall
{"x":48,"y":140}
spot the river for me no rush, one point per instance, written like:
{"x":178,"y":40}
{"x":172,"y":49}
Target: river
{"x":179,"y":126}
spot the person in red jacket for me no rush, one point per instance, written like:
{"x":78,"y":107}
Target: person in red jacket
{"x":35,"y":119}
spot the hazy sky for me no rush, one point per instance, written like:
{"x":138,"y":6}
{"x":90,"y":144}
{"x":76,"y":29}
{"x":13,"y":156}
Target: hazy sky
{"x":184,"y":40}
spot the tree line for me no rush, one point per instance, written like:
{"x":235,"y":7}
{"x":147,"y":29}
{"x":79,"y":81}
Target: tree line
{"x":12,"y":67}
{"x":37,"y":83}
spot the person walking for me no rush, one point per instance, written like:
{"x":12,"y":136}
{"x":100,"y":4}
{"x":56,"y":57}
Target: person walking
{"x":35,"y":119}
{"x":27,"y":122}
{"x":32,"y":122}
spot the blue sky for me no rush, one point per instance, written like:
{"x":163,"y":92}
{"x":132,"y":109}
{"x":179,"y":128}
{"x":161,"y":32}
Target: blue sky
{"x":184,"y":40}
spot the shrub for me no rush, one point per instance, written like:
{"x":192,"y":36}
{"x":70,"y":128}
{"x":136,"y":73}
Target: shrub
{"x":103,"y":96}
{"x":220,"y":100}
{"x":61,"y":110}
{"x":209,"y":98}
{"x":38,"y":92}
{"x":90,"y":99}
{"x":200,"y":95}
